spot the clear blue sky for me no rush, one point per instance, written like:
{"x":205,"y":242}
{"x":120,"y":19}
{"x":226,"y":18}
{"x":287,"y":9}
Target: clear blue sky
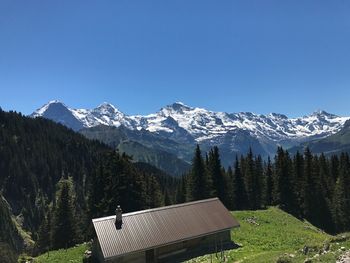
{"x":291,"y":57}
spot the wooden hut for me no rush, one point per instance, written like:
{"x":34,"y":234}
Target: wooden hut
{"x":162,"y":234}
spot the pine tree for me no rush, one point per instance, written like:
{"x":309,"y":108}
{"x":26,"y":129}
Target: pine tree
{"x":325,"y":191}
{"x":137,"y":188}
{"x":268,"y":184}
{"x":96,"y":194}
{"x":334,"y":168}
{"x":291,"y":193}
{"x":44,"y":235}
{"x":306,"y":186}
{"x":250,"y":180}
{"x":259,"y":182}
{"x":277,"y":178}
{"x":284,"y":182}
{"x":341,"y":198}
{"x":181,"y":192}
{"x":230,"y":199}
{"x":298,"y":170}
{"x":156,"y":197}
{"x":64,"y":226}
{"x":200,"y":182}
{"x":318,"y":202}
{"x":167,"y":199}
{"x":239,"y":193}
{"x":215,"y":173}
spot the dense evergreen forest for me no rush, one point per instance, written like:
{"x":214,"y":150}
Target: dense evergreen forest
{"x":54,"y":180}
{"x":307,"y":186}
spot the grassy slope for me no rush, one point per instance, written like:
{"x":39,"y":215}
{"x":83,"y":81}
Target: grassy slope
{"x":277,"y":234}
{"x":71,"y":255}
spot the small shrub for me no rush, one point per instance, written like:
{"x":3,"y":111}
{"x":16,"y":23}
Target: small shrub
{"x":284,"y":259}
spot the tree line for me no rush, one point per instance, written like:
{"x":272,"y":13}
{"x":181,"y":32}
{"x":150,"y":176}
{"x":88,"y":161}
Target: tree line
{"x":312,"y":187}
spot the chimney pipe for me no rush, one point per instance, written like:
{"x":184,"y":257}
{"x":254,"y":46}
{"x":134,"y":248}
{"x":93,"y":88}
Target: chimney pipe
{"x":118,"y":217}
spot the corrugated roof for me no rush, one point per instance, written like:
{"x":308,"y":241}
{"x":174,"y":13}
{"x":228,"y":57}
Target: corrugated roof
{"x":151,"y":228}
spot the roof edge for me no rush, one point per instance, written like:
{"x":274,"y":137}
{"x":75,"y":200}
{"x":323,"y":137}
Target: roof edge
{"x":158,"y":209}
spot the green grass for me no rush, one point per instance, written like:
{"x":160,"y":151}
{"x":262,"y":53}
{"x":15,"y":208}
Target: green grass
{"x":71,"y":255}
{"x":276,"y":234}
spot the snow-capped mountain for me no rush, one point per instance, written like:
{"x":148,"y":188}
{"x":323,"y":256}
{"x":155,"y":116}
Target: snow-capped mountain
{"x":104,"y":114}
{"x":207,"y":125}
{"x":198,"y":123}
{"x":58,"y":112}
{"x":233,"y":132}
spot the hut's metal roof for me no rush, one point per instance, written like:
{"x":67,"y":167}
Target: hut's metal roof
{"x":157,"y":227}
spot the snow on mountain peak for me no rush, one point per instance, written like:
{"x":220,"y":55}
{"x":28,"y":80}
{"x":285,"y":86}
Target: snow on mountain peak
{"x":107,"y":108}
{"x":322,"y":113}
{"x":202,"y":124}
{"x":177,"y":107}
{"x":54,"y":101}
{"x":277,"y":116}
{"x":40,"y":111}
{"x":180,"y":103}
{"x":106,"y":105}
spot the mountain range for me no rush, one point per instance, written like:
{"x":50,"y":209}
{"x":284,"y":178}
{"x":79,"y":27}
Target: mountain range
{"x":176,"y":128}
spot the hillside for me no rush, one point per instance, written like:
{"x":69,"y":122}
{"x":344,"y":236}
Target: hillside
{"x":34,"y":155}
{"x":39,"y":158}
{"x":269,"y":235}
{"x":333,"y":144}
{"x":143,"y":146}
{"x":11,"y":241}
